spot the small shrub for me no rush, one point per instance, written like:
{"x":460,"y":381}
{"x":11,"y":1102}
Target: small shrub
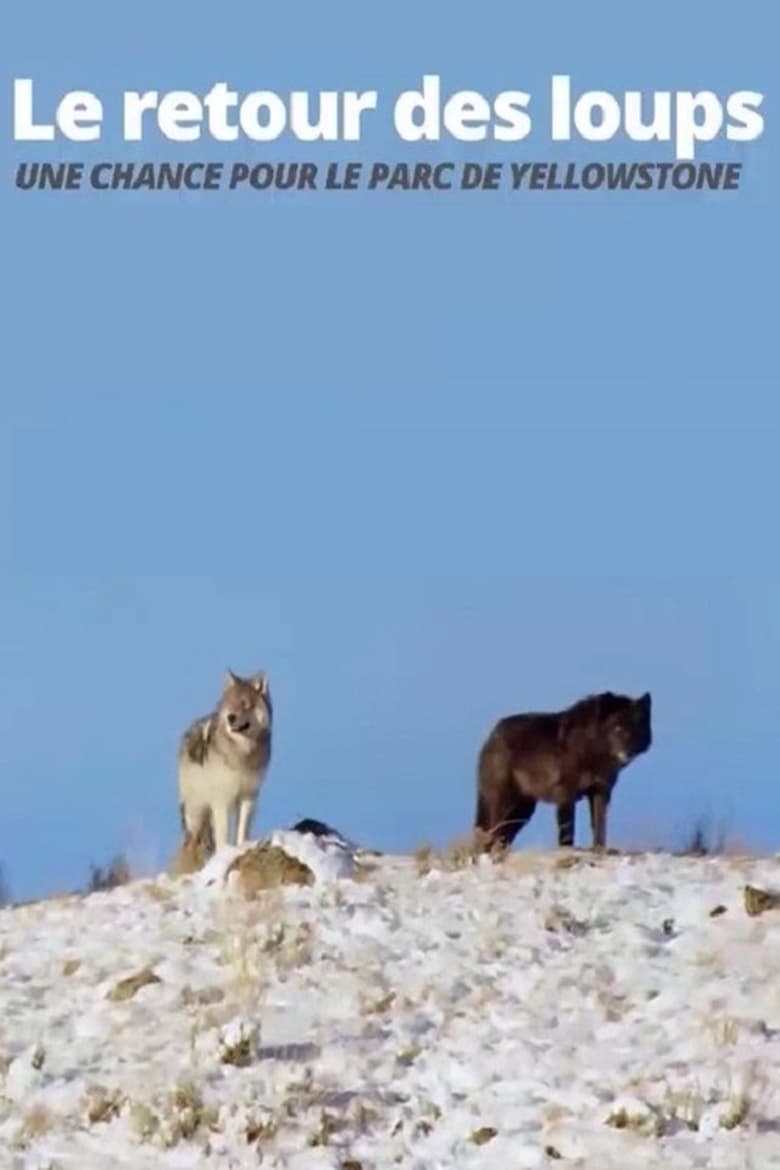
{"x":289,"y":947}
{"x":737,"y":1111}
{"x":116,"y":873}
{"x":558,"y":919}
{"x":103,"y":1104}
{"x":37,"y":1121}
{"x":462,"y":853}
{"x":748,"y":1098}
{"x":261,"y":1129}
{"x":409,"y":1054}
{"x":424,"y":857}
{"x":144,"y":1122}
{"x":187,"y":1115}
{"x":239,"y":1043}
{"x":724,"y":1031}
{"x":328,"y":1127}
{"x":646,"y":1123}
{"x":702,"y":841}
{"x":379,"y":1006}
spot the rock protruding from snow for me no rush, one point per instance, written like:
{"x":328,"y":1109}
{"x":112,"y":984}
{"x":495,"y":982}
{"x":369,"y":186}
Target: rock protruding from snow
{"x":329,"y":858}
{"x":287,"y":857}
{"x":266,"y":867}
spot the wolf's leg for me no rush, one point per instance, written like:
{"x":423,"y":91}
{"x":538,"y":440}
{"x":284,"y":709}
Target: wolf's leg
{"x":193,"y":819}
{"x":220,"y":820}
{"x":598,"y":802}
{"x":502,"y":807}
{"x":508,"y":818}
{"x":566,"y":815}
{"x":524,"y":809}
{"x":246,"y":808}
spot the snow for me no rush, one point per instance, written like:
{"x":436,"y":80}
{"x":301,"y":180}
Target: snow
{"x":550,"y":1010}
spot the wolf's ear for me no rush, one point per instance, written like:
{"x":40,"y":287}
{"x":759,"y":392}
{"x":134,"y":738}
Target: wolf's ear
{"x":260,"y":682}
{"x":644,"y":702}
{"x":230,"y":680}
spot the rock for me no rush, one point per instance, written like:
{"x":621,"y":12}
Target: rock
{"x":757,"y":901}
{"x":127,"y":988}
{"x":483,"y":1135}
{"x":266,"y":867}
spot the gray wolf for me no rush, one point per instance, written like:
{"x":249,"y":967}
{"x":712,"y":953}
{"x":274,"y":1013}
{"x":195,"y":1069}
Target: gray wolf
{"x":559,"y":757}
{"x":223,"y":760}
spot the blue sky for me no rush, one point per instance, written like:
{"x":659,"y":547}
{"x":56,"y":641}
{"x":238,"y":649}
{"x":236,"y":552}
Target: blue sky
{"x":426,"y":458}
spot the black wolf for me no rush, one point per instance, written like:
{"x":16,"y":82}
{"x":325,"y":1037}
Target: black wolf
{"x":559,"y":757}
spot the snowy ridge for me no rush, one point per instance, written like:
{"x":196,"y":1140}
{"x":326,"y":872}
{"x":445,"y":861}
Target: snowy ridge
{"x":543,"y":1011}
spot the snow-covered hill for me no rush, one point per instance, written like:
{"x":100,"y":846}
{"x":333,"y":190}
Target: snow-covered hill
{"x":544,"y":1011}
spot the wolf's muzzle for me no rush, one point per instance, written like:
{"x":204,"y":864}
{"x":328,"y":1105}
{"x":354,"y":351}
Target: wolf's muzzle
{"x":236,"y":726}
